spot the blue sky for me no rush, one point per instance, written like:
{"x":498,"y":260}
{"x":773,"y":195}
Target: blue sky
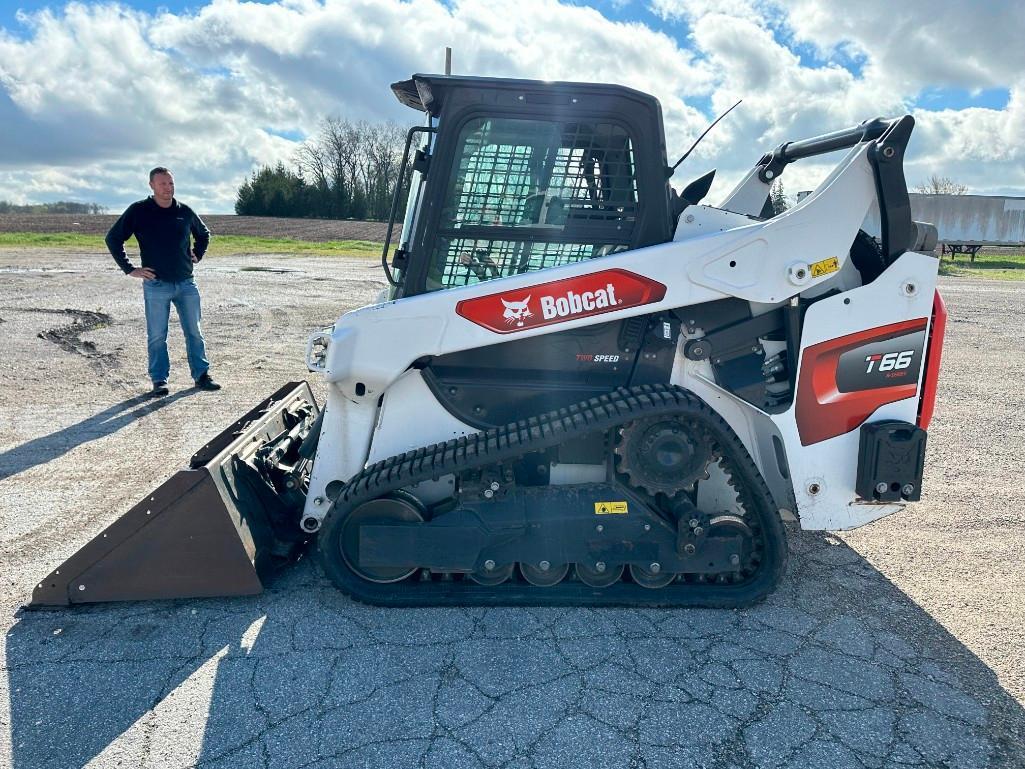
{"x":92,"y":91}
{"x":9,"y":8}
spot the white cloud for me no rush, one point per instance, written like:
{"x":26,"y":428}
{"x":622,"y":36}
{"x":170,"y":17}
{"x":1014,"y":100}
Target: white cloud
{"x":927,"y":44}
{"x":87,"y":96}
{"x":695,"y":9}
{"x":903,"y":50}
{"x":918,"y":43}
{"x":93,"y":86}
{"x":93,"y":95}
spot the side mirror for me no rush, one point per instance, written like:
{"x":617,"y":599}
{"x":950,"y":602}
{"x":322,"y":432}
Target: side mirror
{"x":693,"y":193}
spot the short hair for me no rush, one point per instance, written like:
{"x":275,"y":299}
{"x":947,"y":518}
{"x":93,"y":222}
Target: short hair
{"x":159,"y":170}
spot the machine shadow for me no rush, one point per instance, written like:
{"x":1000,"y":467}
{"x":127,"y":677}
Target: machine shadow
{"x":80,"y":678}
{"x":303,"y":676}
{"x":45,"y":448}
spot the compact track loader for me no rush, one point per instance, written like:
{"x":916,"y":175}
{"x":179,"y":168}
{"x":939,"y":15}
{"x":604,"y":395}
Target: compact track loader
{"x":582,"y":387}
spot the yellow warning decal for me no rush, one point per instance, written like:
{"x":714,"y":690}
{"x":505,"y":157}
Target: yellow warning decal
{"x":826,"y":266}
{"x":610,"y":508}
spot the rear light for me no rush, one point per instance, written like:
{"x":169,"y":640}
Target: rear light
{"x":933,"y":353}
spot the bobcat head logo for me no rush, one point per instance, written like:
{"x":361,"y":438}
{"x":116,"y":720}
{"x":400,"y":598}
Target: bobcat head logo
{"x":516,"y":312}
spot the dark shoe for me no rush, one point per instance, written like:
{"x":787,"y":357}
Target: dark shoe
{"x":206,"y":383}
{"x":159,"y":388}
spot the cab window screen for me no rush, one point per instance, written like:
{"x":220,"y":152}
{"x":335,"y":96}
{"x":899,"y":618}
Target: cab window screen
{"x":531,"y":194}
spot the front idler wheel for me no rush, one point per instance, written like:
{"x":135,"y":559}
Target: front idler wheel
{"x":395,"y":508}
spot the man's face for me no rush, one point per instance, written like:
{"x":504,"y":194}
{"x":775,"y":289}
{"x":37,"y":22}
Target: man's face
{"x":163,"y":187}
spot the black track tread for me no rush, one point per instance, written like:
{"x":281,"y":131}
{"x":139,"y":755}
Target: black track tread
{"x":543,"y":431}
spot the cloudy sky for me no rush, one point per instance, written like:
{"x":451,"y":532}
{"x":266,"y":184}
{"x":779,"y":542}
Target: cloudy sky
{"x":94,"y":93}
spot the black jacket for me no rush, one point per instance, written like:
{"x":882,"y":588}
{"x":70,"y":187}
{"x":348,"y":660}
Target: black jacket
{"x":164,"y":236}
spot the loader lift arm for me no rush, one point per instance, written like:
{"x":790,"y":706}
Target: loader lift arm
{"x":887,"y":140}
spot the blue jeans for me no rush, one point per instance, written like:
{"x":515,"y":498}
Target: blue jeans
{"x":159,"y":296}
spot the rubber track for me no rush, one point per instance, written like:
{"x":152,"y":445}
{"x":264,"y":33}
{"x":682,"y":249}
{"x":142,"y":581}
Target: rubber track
{"x":541,"y":432}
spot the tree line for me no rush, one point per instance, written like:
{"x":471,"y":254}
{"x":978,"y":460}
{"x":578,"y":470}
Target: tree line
{"x":60,"y":207}
{"x":348,"y":171}
{"x":941,"y":185}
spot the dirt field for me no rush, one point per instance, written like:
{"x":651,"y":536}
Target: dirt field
{"x":219,"y":224}
{"x":900,"y":644}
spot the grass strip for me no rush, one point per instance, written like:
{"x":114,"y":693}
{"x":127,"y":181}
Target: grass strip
{"x":220,"y":245}
{"x":988,"y":265}
{"x":992,"y":265}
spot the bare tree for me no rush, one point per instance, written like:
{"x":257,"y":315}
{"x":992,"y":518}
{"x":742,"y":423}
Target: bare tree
{"x":384,"y":155}
{"x":941,"y":185}
{"x":314,"y":161}
{"x":349,"y":170}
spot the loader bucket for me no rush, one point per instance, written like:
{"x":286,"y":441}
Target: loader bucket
{"x":214,"y":529}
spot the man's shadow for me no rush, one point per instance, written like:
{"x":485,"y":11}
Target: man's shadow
{"x":39,"y":451}
{"x":302,"y":673}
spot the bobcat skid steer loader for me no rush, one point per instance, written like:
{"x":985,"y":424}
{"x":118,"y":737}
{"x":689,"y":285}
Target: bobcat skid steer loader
{"x":582,"y":387}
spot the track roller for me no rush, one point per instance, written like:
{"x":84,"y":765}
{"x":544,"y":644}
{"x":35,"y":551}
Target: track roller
{"x":544,"y":574}
{"x":495,"y":575}
{"x":652,"y":576}
{"x":599,"y":574}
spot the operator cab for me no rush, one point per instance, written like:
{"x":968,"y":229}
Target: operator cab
{"x":521,"y":175}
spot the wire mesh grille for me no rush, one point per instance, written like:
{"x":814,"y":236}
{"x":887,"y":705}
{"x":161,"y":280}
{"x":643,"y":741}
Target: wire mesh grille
{"x":539,"y":173}
{"x":570,"y":183}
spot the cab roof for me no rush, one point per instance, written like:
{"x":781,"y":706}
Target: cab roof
{"x":428,"y":93}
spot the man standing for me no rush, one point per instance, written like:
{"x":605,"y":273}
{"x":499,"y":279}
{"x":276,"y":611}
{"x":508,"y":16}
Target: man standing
{"x":165,"y":229}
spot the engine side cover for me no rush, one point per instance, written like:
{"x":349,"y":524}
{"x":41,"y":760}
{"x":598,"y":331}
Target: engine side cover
{"x":843,"y":381}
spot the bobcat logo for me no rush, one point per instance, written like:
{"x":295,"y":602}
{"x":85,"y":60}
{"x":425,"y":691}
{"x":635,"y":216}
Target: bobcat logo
{"x":516,"y":312}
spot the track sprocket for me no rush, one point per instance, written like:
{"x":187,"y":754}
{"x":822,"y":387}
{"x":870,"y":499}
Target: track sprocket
{"x":662,"y":455}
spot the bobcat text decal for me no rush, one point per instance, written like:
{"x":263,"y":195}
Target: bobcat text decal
{"x":561,"y":300}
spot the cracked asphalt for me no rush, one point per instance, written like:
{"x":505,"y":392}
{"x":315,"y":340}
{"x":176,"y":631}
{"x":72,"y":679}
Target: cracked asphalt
{"x":896,"y":645}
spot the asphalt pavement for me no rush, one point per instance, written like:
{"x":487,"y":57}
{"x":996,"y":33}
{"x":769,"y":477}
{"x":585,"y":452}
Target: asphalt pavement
{"x":897,"y":645}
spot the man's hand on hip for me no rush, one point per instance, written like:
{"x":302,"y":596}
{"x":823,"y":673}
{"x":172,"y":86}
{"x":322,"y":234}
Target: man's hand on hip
{"x":143,"y":272}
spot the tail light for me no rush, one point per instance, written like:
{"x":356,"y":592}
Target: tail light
{"x":933,"y":353}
